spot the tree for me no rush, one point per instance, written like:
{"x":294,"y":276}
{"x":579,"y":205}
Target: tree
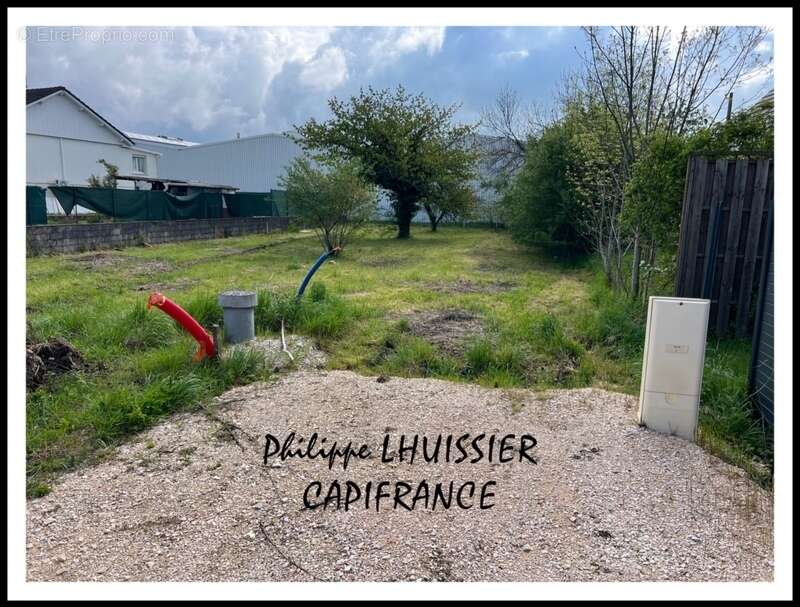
{"x":405,"y":144}
{"x":748,"y":132}
{"x":448,"y":200}
{"x":450,"y":194}
{"x":514,"y":125}
{"x":109,"y":180}
{"x":595,"y":175}
{"x":654,"y":196}
{"x":334,"y":199}
{"x":649,"y":82}
{"x":542,"y":204}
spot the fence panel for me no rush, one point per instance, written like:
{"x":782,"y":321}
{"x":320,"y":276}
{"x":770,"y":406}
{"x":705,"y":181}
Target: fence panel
{"x":727,"y":209}
{"x":762,"y":366}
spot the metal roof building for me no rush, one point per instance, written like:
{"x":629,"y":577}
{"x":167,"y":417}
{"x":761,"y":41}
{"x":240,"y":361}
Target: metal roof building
{"x":252,"y":164}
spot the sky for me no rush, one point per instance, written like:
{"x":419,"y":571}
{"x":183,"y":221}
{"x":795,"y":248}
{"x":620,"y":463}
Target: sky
{"x":208,"y":84}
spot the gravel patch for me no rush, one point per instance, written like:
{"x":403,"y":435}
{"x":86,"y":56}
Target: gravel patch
{"x":191,"y":500}
{"x":306,"y":356}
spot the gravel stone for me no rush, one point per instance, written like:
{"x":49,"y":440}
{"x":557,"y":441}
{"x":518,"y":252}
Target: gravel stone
{"x":639,"y":500}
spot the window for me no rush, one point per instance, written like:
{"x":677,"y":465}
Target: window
{"x":139,"y":164}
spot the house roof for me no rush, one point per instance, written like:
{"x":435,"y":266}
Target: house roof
{"x":34,"y":95}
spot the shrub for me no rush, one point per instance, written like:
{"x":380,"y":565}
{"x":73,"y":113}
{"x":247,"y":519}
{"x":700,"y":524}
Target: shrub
{"x":333,"y":199}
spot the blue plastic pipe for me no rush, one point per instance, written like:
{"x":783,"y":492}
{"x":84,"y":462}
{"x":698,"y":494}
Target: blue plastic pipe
{"x":313,"y":269}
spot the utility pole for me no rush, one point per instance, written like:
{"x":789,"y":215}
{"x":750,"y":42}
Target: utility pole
{"x":730,"y":106}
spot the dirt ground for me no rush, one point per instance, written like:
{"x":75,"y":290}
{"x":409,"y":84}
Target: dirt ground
{"x":462,"y":285}
{"x":49,"y":358}
{"x":448,"y":330}
{"x":192,"y":500}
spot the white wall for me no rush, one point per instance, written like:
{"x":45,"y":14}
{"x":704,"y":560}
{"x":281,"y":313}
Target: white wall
{"x":59,"y":115}
{"x":253,"y":164}
{"x":51,"y":159}
{"x":64,"y":143}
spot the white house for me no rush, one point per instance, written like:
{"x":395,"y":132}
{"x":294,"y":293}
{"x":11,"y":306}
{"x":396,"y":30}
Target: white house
{"x":66,"y":138}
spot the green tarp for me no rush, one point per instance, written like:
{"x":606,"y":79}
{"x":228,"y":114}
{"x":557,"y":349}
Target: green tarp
{"x":249,"y":204}
{"x":35,"y":205}
{"x":280,"y":204}
{"x":140,"y":205}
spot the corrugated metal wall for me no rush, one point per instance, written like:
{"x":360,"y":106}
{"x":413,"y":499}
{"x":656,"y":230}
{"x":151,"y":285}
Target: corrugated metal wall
{"x":252,"y":164}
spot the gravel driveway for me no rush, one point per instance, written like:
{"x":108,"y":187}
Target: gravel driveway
{"x":191,"y":500}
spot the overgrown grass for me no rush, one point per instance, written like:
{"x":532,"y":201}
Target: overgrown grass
{"x":727,"y":425}
{"x":547,"y":321}
{"x":318,"y":313}
{"x":139,"y":371}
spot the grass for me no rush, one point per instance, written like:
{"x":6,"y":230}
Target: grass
{"x":548,"y":321}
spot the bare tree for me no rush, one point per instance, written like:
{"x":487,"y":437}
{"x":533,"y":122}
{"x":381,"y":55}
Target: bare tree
{"x":512,"y":124}
{"x":649,"y":80}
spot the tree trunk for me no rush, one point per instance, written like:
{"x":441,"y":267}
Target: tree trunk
{"x":651,"y":260}
{"x":432,"y":217}
{"x":637,"y":260}
{"x":404,"y":215}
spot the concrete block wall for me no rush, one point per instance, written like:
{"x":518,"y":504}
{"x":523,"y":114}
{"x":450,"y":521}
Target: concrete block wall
{"x":75,"y":238}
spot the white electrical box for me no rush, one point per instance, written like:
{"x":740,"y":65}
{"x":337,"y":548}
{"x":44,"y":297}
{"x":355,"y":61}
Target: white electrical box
{"x":672,"y":369}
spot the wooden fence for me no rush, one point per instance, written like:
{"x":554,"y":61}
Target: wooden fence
{"x":762,"y":363}
{"x":727,"y":212}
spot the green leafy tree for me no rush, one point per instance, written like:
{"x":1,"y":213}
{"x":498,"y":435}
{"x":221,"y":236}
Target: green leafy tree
{"x":654,"y":193}
{"x":594,"y":173}
{"x":650,"y":80}
{"x":405,"y":144}
{"x":541,"y":204}
{"x":653,"y":201}
{"x":450,"y":195}
{"x":109,"y":180}
{"x":748,"y":132}
{"x":333,"y":198}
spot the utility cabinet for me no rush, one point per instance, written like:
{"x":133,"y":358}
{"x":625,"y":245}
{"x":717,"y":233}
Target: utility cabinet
{"x":672,"y":369}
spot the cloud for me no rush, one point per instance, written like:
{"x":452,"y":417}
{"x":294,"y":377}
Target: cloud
{"x":211,"y":82}
{"x":327,"y":71}
{"x":393,"y":42}
{"x":414,"y":38}
{"x":513,"y":55}
{"x":204,"y":79}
